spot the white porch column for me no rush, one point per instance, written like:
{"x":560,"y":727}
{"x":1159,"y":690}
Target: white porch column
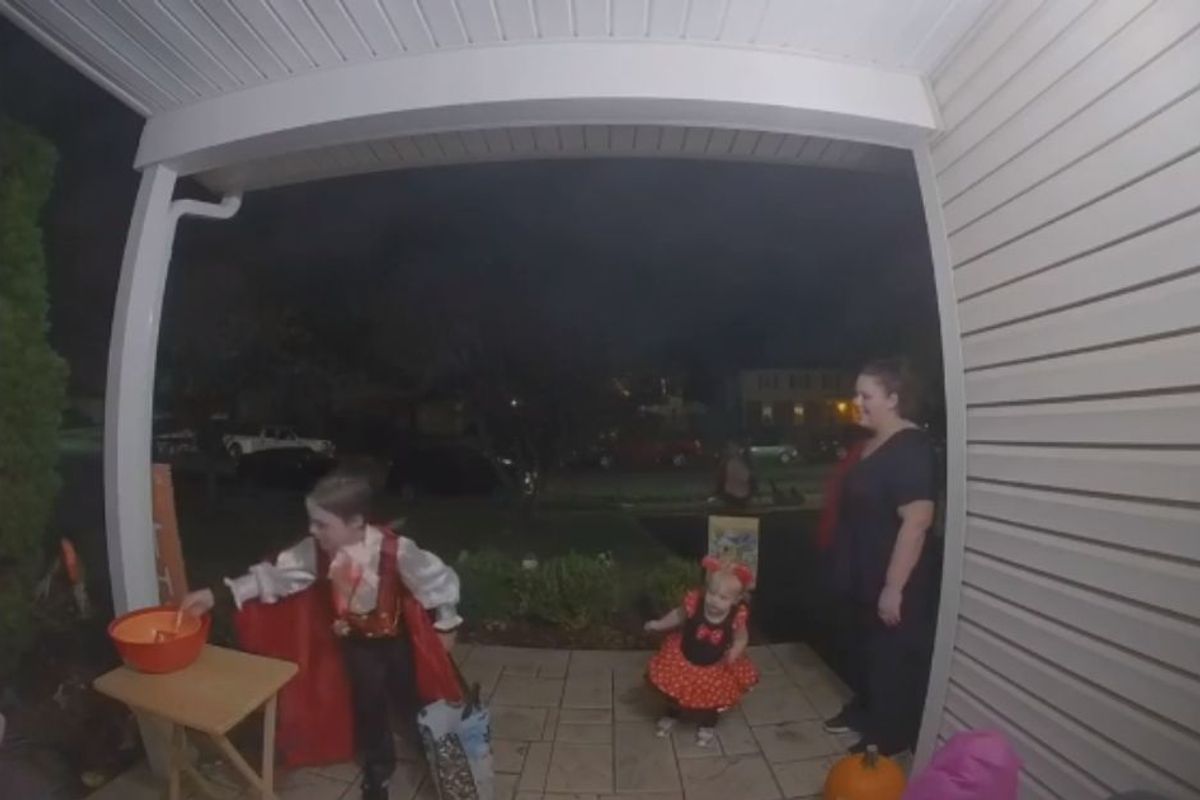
{"x":129,"y":399}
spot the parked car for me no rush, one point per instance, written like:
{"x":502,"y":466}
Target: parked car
{"x":453,"y":468}
{"x":273,"y":437}
{"x":172,"y":443}
{"x":284,"y":468}
{"x":767,"y":450}
{"x":658,"y":451}
{"x":831,"y":446}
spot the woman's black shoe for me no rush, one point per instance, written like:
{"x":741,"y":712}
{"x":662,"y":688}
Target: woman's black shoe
{"x":839,"y":724}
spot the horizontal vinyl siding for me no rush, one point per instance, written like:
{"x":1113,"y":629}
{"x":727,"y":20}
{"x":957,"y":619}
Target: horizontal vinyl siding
{"x":1069,"y":173}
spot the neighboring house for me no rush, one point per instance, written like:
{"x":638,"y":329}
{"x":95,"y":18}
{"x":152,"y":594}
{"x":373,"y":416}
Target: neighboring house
{"x":814,"y":399}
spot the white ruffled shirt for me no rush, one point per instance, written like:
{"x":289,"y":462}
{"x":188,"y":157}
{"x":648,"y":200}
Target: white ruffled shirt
{"x":431,"y":581}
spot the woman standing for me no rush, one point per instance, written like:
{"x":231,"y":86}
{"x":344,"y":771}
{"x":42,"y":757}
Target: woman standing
{"x":883,"y":566}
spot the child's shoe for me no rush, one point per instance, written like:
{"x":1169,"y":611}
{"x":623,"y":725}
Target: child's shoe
{"x":664,"y":726}
{"x":705,"y":737}
{"x":374,"y":790}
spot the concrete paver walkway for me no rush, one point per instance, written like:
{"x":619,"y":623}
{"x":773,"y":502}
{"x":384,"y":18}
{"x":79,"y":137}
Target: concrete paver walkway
{"x":579,"y":725}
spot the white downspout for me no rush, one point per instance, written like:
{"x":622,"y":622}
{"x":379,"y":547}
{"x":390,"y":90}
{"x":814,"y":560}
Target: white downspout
{"x":129,"y":400}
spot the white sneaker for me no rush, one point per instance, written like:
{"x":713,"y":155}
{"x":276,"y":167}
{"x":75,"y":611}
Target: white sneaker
{"x":705,"y":737}
{"x":664,"y":727}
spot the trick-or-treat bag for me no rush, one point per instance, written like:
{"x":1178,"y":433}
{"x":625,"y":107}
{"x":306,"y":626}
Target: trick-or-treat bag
{"x":973,"y":765}
{"x":458,"y":746}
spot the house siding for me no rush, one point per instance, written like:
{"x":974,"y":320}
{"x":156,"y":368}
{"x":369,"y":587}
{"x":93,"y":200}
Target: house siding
{"x":1068,"y":176}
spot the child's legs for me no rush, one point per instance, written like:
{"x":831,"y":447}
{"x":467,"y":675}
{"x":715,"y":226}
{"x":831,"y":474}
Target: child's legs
{"x":368,"y":662}
{"x":704,"y":717}
{"x":402,"y":689}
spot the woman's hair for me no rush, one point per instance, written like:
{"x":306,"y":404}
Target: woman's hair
{"x":896,"y":377}
{"x":345,"y":493}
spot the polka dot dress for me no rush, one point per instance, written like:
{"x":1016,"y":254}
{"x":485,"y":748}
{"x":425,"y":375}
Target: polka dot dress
{"x":692,"y":686}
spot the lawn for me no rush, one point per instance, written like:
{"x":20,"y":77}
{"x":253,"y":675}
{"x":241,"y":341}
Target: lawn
{"x":779,"y":483}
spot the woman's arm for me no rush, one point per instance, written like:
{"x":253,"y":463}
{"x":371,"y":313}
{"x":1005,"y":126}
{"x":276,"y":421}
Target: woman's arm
{"x":915,"y":520}
{"x":669,"y":621}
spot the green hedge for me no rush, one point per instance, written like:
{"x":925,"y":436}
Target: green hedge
{"x":32,"y":383}
{"x":571,"y":591}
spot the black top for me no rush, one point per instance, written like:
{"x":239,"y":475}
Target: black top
{"x":901,"y":471}
{"x":703,"y":642}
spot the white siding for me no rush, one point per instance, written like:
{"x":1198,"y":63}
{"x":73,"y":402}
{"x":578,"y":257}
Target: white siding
{"x":1069,"y":178}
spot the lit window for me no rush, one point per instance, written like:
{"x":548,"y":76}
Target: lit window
{"x":798,"y":412}
{"x":768,"y":414}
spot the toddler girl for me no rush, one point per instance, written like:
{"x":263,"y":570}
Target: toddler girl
{"x":702,"y":667}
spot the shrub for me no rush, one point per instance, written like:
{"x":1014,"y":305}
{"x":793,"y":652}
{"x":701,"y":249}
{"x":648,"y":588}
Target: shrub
{"x":572,"y":591}
{"x":492,"y":585}
{"x":32,"y":382}
{"x":668,"y":581}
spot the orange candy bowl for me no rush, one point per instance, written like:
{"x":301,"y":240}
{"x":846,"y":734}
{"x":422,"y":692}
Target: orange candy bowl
{"x":148,"y":642}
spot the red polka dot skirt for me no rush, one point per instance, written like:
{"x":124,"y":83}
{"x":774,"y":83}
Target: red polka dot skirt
{"x":718,"y":686}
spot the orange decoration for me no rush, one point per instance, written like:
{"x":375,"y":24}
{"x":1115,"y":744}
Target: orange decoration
{"x":865,"y":776}
{"x":70,"y":561}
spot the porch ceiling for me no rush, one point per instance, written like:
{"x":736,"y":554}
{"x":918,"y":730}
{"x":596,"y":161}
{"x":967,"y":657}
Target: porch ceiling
{"x":248,"y":94}
{"x":555,"y":142}
{"x":158,"y":55}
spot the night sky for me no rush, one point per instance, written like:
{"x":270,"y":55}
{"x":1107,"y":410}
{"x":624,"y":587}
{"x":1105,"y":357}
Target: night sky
{"x":681,"y":262}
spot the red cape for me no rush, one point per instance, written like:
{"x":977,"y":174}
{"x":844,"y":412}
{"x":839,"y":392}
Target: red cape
{"x":315,"y":715}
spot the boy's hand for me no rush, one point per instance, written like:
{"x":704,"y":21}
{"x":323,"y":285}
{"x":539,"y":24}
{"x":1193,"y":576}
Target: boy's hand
{"x":198,"y":603}
{"x":341,"y":628}
{"x":653,"y":626}
{"x":447,"y":639}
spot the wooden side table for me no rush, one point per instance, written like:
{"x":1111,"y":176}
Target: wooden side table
{"x":211,"y":696}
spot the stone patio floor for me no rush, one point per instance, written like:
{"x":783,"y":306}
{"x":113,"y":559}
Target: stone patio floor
{"x":579,"y":725}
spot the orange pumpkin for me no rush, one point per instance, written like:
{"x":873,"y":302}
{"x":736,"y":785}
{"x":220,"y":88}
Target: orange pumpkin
{"x":865,"y":776}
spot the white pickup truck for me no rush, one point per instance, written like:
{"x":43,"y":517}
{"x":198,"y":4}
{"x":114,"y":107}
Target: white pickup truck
{"x":273,"y":437}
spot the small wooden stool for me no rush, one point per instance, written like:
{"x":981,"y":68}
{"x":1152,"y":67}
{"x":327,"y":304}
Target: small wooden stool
{"x":211,"y":696}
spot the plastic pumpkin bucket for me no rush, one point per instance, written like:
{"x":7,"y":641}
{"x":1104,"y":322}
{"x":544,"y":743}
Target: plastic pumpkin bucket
{"x":147,"y":642}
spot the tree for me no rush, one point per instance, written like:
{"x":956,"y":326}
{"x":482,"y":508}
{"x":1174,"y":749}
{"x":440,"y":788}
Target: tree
{"x":32,"y":382}
{"x":534,"y":388}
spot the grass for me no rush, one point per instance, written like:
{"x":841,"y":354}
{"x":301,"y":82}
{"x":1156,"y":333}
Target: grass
{"x":671,"y":485}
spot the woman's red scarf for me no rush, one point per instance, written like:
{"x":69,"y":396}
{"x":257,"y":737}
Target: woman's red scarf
{"x":832,"y":498}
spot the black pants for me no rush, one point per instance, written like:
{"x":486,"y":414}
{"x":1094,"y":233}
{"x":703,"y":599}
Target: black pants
{"x":705,"y":718}
{"x":888,"y":671}
{"x":384,"y":686}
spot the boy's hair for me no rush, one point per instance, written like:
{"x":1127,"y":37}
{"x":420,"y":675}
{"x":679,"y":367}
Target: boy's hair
{"x":344,"y":493}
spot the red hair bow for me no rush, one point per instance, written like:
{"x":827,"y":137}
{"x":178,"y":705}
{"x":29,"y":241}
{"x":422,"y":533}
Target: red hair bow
{"x":741,"y":571}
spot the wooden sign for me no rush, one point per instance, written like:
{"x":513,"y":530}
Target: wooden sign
{"x":168,"y":553}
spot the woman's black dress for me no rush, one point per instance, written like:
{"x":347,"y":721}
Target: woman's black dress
{"x":888,"y":666}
